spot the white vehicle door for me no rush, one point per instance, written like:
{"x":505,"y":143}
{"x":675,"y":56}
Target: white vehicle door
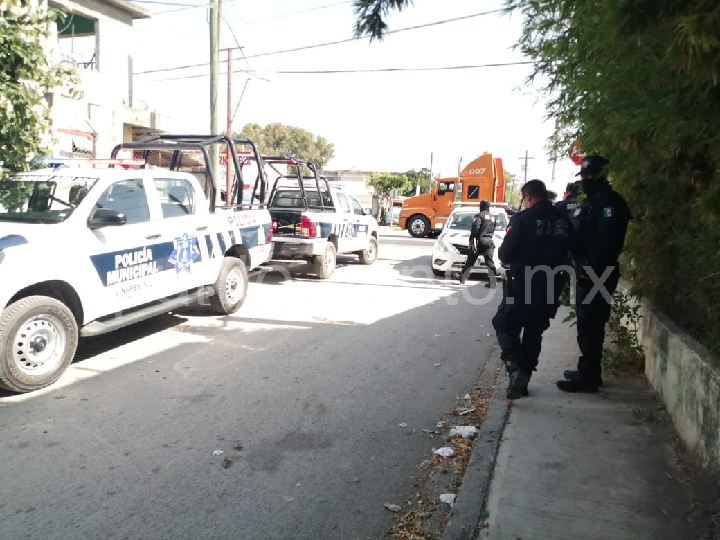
{"x":126,"y":257}
{"x":362,"y":225}
{"x":183,"y":231}
{"x":346,"y":225}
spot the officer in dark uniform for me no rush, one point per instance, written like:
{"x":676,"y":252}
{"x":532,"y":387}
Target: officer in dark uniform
{"x":481,"y":243}
{"x":602,"y":221}
{"x":535,"y":246}
{"x":568,"y":205}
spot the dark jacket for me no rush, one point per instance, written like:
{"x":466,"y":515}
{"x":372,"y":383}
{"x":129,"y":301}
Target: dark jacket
{"x":602,"y":221}
{"x":568,"y":205}
{"x":482,"y":229}
{"x":539,"y":236}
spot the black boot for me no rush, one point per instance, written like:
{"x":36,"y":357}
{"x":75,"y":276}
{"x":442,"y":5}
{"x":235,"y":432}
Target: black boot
{"x":578,"y":384}
{"x":572,"y":373}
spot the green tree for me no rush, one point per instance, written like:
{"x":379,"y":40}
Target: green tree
{"x":280,"y":139}
{"x":385,"y":183}
{"x":414,"y":178}
{"x":28,"y":73}
{"x":512,"y":193}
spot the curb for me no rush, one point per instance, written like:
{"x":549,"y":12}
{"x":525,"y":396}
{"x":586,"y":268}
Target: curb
{"x":471,"y":500}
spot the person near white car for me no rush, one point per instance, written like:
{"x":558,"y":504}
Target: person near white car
{"x":451,"y":249}
{"x":481,"y":243}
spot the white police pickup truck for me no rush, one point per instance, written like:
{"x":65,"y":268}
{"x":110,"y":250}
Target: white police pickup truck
{"x":84,"y":251}
{"x":315,"y":222}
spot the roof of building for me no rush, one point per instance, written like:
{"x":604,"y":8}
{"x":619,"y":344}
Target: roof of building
{"x":136,"y":11}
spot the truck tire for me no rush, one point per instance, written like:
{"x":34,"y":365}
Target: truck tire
{"x":38,"y":340}
{"x":418,"y":226}
{"x":325,"y":264}
{"x":230,"y":288}
{"x":369,"y":255}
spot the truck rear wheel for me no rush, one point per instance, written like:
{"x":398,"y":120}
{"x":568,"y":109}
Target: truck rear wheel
{"x":230,"y":287}
{"x":325,"y":264}
{"x":38,"y":340}
{"x":418,"y":226}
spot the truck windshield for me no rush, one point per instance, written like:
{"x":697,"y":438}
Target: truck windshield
{"x":42,"y":198}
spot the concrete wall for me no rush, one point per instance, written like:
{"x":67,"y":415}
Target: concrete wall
{"x":687,"y":378}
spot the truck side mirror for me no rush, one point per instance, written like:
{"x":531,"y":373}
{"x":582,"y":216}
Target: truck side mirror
{"x":367,"y":211}
{"x":106,"y":217}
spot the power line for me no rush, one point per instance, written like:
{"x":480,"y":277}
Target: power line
{"x":350,"y":71}
{"x":318,"y":45}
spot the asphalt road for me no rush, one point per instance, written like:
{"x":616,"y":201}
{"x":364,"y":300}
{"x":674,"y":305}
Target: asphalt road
{"x":303,"y":391}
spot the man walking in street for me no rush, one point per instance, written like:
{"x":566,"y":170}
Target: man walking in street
{"x":535,"y":245}
{"x":481,"y":243}
{"x":602,"y":220}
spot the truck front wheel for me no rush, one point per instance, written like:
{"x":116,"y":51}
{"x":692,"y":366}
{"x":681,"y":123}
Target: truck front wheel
{"x":230,"y":287}
{"x":418,"y":226}
{"x":38,"y":339}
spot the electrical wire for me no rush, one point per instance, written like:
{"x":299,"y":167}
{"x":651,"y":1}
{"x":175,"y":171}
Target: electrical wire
{"x":318,"y":45}
{"x":353,"y":71}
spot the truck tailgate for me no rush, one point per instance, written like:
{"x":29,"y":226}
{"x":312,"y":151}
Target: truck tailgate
{"x":288,"y":222}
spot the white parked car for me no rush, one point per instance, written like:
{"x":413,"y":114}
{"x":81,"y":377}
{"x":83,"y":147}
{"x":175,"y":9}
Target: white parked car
{"x":451,"y":248}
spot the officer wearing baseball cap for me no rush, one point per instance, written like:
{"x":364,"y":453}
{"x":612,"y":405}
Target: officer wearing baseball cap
{"x":601,"y":223}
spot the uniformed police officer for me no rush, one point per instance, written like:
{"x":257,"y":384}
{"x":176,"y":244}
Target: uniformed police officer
{"x":568,"y":205}
{"x":481,"y":243}
{"x":601,"y":221}
{"x":535,"y":246}
{"x":569,"y":202}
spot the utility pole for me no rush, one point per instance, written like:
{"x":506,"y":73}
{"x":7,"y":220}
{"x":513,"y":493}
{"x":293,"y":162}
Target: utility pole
{"x":214,"y":79}
{"x":228,"y":175}
{"x":526,"y":158}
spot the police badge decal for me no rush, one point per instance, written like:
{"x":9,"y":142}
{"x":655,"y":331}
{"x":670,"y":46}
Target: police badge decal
{"x":185,"y":252}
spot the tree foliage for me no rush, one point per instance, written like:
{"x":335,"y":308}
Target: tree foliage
{"x":370,"y":16}
{"x":512,"y":190}
{"x":637,"y":81}
{"x":28,"y":72}
{"x":414,"y":178}
{"x":281,"y":140}
{"x":385,"y":183}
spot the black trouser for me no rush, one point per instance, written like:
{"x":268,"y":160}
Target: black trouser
{"x":510,"y":320}
{"x":592,"y":316}
{"x":486,"y":248}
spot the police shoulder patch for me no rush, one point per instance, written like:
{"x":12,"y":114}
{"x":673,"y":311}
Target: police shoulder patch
{"x":577,"y":211}
{"x":608,"y":212}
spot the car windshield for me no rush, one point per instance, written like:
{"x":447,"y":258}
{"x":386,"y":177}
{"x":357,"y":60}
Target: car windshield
{"x":42,"y":198}
{"x":462,"y":221}
{"x":500,"y":222}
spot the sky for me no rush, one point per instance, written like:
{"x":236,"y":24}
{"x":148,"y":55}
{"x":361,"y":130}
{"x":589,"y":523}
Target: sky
{"x":378,"y":121}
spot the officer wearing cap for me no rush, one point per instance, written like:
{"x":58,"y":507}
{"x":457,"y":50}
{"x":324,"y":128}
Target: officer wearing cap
{"x":481,"y":243}
{"x":602,"y":220}
{"x":536,"y":244}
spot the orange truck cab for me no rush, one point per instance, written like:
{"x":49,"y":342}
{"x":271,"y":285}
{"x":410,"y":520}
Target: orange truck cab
{"x":482,"y":179}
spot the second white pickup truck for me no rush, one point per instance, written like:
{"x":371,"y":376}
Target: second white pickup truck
{"x":315,"y":222}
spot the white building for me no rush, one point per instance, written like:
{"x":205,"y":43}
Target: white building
{"x":96,"y":36}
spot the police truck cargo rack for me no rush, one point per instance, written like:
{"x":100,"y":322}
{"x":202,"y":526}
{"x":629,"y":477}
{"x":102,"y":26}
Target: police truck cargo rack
{"x":85,"y":250}
{"x":315,"y":222}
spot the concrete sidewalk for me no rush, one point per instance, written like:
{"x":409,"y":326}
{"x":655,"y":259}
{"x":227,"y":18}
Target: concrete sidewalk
{"x":585,"y":466}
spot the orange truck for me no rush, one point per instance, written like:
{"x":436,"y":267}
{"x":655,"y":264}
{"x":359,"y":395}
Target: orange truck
{"x":482,"y":179}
